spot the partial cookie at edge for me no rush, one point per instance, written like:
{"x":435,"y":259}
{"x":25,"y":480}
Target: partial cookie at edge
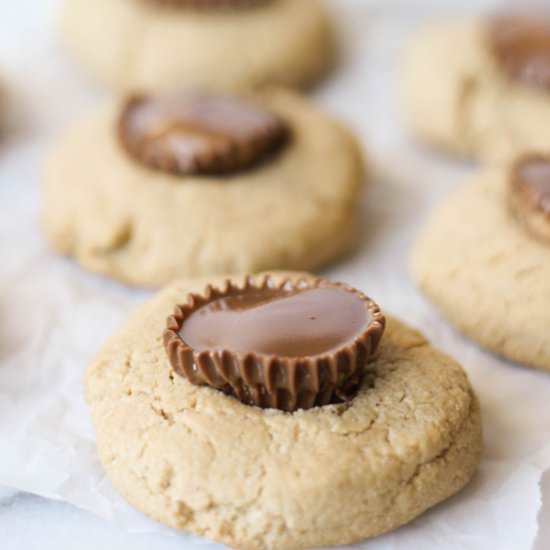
{"x":485,"y":273}
{"x":455,"y":98}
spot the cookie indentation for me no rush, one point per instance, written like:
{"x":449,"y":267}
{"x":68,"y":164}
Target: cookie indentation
{"x":530,"y":194}
{"x":521,"y":47}
{"x":286,"y":346}
{"x":195,"y":133}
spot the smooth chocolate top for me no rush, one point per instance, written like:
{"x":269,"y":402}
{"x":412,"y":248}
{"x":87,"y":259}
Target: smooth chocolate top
{"x":194,"y":133}
{"x":521,"y":46}
{"x":278,"y":322}
{"x":531,"y":177}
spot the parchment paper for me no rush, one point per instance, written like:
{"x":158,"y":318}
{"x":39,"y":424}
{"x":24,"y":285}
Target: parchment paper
{"x":54,"y":316}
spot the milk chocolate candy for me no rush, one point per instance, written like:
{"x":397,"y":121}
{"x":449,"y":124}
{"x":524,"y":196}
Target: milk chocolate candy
{"x":289,"y":345}
{"x":529,"y":194}
{"x":198,"y":133}
{"x":520,"y":44}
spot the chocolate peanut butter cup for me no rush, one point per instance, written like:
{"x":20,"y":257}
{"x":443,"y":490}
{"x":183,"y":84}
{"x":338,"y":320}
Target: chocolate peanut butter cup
{"x":529,"y":194}
{"x":520,"y":44}
{"x":287,"y":345}
{"x":198,"y":133}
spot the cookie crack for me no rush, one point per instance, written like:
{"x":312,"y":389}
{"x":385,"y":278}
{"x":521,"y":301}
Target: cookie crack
{"x":444,"y":451}
{"x":166,"y":416}
{"x":441,"y":456}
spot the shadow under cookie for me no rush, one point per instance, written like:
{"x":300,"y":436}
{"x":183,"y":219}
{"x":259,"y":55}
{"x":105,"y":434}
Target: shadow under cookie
{"x":198,"y":460}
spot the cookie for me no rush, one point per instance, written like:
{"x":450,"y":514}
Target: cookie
{"x":121,"y":205}
{"x":201,"y":461}
{"x":476,"y":88}
{"x":167,"y":45}
{"x":484,"y":262}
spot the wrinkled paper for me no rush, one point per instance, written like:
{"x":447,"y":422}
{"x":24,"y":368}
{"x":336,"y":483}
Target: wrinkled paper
{"x":54,"y":316}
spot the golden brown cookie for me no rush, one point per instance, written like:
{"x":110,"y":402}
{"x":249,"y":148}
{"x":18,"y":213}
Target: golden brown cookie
{"x":198,"y":460}
{"x":483,"y":260}
{"x":480,"y":88}
{"x":125,"y":209}
{"x":167,"y":45}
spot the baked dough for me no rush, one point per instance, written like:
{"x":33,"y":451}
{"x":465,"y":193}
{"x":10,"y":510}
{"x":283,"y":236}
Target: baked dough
{"x":138,"y":45}
{"x":483,"y":270}
{"x":198,"y":460}
{"x":455,"y":97}
{"x":146,"y":228}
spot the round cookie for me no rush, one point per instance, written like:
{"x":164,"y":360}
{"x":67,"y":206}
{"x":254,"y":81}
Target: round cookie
{"x":488,"y":276}
{"x":456,"y":97}
{"x":153,"y":46}
{"x":198,"y":460}
{"x":118,"y":217}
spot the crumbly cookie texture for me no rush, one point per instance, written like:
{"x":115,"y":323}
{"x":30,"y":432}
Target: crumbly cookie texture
{"x":486,"y":273}
{"x":146,"y":228}
{"x":455,"y":97}
{"x":197,"y":460}
{"x":137,"y":45}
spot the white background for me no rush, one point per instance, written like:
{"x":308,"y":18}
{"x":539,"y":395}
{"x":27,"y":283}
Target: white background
{"x":53,"y":316}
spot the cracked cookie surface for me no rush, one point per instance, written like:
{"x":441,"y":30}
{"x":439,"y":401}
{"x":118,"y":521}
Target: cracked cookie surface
{"x":198,"y":460}
{"x":134,"y":45}
{"x":146,"y":228}
{"x":456,"y":98}
{"x":486,"y":273}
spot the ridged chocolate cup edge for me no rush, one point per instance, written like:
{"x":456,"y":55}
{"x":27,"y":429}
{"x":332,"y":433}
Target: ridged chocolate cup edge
{"x":285,"y":383}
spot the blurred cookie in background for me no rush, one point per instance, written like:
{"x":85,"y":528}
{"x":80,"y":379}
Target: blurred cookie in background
{"x":197,"y":184}
{"x":484,"y":260}
{"x":480,"y":88}
{"x":165,"y":45}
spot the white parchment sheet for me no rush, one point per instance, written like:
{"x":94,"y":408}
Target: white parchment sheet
{"x":54,"y":316}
